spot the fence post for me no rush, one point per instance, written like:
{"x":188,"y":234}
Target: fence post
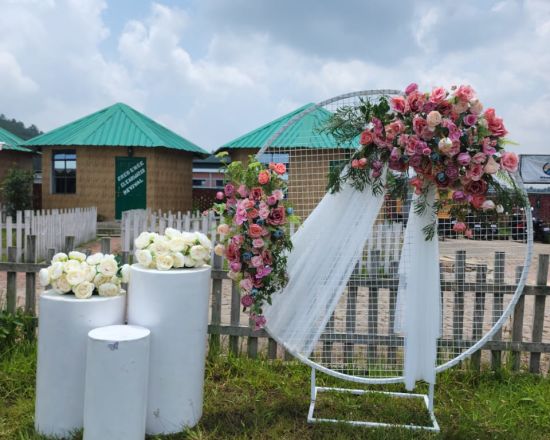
{"x":538,"y":315}
{"x":69,"y":243}
{"x":106,"y":245}
{"x":479,"y":308}
{"x":216,"y":319}
{"x":235,"y":317}
{"x":498,"y":306}
{"x":30,"y":277}
{"x":12,"y":281}
{"x":517,"y":324}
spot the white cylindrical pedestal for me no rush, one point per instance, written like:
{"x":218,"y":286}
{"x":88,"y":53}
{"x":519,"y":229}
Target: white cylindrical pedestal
{"x":117,"y":374}
{"x":63,"y":329}
{"x":174,"y":306}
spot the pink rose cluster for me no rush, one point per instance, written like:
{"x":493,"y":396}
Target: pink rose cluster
{"x":253,"y":234}
{"x":445,"y":136}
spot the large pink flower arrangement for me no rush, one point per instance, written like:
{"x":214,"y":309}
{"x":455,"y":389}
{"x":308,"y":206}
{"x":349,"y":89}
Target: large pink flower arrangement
{"x":254,"y":231}
{"x":446,"y":137}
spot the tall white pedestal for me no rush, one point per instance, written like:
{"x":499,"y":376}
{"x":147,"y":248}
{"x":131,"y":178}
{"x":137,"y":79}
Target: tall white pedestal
{"x":63,"y":328}
{"x":117,"y":374}
{"x":174,"y":306}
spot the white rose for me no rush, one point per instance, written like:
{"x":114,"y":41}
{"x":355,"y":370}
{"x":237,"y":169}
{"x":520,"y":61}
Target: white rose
{"x":84,"y":290}
{"x":125,"y":272}
{"x":94,"y":259}
{"x":500,"y":209}
{"x":189,"y":238}
{"x":108,"y":266}
{"x":445,"y":145}
{"x":75,"y":277}
{"x":204,"y":240}
{"x":56,"y":270}
{"x":143,"y":240}
{"x":100,"y":279}
{"x":172,"y":233}
{"x":199,"y":252}
{"x":164,"y":262}
{"x":71,"y":265}
{"x":108,"y":289}
{"x":144,"y":257}
{"x":44,"y":277}
{"x":488,"y":205}
{"x":89,"y":271}
{"x":189,"y":262}
{"x":75,"y":255}
{"x":62,"y":285}
{"x":59,"y":257}
{"x":177,"y":244}
{"x":115,"y":280}
{"x":160,"y":245}
{"x":179,"y":259}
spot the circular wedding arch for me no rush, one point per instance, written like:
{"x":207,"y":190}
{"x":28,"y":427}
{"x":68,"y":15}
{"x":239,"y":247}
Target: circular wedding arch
{"x":300,"y":143}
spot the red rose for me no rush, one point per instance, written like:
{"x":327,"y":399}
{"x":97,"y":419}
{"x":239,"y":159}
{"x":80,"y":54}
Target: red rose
{"x":256,"y":193}
{"x":232,"y":253}
{"x":476,"y":187}
{"x":277,"y":216}
{"x":477,"y":201}
{"x":267,"y":257}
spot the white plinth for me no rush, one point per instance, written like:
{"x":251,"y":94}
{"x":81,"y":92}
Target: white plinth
{"x":117,"y":374}
{"x":174,"y":306}
{"x":63,"y":328}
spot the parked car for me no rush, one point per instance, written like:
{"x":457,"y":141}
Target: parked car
{"x":541,"y":231}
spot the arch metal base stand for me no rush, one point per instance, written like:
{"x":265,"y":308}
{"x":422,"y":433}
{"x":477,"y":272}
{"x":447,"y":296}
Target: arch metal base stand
{"x":427,"y":398}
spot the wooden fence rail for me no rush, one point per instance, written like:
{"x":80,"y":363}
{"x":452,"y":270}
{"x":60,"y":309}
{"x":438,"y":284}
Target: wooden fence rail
{"x":227,"y":323}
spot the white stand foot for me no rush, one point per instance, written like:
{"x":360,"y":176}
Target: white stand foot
{"x":62,"y":333}
{"x":117,"y":373}
{"x":428,"y":400}
{"x":174,"y":306}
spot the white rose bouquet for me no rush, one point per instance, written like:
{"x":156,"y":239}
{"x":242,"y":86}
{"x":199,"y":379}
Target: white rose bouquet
{"x":83,"y":275}
{"x":173,"y":250}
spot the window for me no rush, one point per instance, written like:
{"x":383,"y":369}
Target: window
{"x":64,"y":171}
{"x":199,"y":182}
{"x":219,"y":183}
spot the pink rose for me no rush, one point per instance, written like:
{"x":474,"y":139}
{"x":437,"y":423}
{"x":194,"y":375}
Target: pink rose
{"x":264,"y":211}
{"x":395,"y":154}
{"x":277,"y":216}
{"x":280,"y":168}
{"x":459,"y":227}
{"x":279,"y":194}
{"x":362,"y":162}
{"x":474,"y":172}
{"x":479,"y":158}
{"x":235,"y":266}
{"x":416,"y":101}
{"x":233,"y":252}
{"x":399,"y":104}
{"x":470,"y":119}
{"x":255,"y":231}
{"x":476,"y":107}
{"x":223,"y":229}
{"x":355,"y":163}
{"x":492,"y":166}
{"x":258,"y":243}
{"x":495,"y":124}
{"x":433,"y":119}
{"x":438,"y":94}
{"x":263,"y":177}
{"x":488,"y":148}
{"x":465,"y":93}
{"x":237,"y":240}
{"x":229,"y":189}
{"x":272,"y":200}
{"x":459,"y":196}
{"x":463,"y":159}
{"x":246,"y":284}
{"x":247,"y":301}
{"x":412,"y":87}
{"x":509,"y":161}
{"x":419,"y":124}
{"x":257,"y":261}
{"x":243,"y":191}
{"x":366,"y":138}
{"x":219,"y":195}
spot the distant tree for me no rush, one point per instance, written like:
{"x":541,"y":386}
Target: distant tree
{"x":16,"y":190}
{"x":18,"y":128}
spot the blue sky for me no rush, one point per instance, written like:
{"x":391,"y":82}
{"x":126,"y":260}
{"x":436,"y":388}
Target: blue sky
{"x":213,"y":69}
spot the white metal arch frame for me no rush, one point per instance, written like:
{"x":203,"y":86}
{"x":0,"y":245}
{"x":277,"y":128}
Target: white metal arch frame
{"x":427,"y":399}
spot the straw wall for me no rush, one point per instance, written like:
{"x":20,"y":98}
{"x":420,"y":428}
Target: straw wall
{"x":241,"y":154}
{"x":169,"y":181}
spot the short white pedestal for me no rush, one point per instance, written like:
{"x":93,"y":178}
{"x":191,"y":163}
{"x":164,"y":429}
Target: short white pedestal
{"x":174,"y":306}
{"x":63,"y":328}
{"x":117,"y":374}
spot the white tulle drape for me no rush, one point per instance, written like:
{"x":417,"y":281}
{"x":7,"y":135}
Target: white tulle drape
{"x":418,"y":307}
{"x":326,"y":250}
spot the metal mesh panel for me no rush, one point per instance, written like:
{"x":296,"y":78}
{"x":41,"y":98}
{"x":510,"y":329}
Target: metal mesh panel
{"x":479,"y":276}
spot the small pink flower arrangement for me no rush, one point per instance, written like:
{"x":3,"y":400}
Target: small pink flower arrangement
{"x":254,"y":231}
{"x":445,"y":137}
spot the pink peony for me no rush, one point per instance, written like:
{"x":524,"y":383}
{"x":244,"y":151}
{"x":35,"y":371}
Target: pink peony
{"x":509,"y":161}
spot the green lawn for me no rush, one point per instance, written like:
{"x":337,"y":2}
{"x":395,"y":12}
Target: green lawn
{"x":255,"y":399}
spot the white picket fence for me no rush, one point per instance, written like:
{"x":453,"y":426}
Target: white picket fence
{"x":50,"y":228}
{"x":135,"y":221}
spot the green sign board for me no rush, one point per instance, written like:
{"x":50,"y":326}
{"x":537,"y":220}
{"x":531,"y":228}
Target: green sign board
{"x":130,"y":184}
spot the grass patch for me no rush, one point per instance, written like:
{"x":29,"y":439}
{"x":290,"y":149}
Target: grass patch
{"x":257,"y":399}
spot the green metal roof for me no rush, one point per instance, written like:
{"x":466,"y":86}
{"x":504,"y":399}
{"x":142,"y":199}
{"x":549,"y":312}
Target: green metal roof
{"x":302,"y":134}
{"x":118,"y":125}
{"x":12,"y":142}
